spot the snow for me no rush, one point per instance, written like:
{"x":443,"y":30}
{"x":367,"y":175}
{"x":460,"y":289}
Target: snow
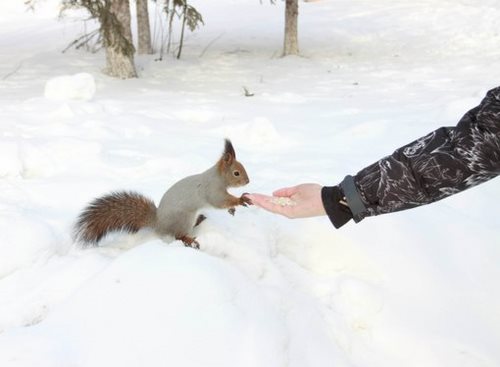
{"x":415,"y":288}
{"x":80,"y":86}
{"x":200,"y":304}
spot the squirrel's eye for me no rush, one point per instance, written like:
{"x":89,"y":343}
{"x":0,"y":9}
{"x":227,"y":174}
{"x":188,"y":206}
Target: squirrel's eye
{"x":236,"y":173}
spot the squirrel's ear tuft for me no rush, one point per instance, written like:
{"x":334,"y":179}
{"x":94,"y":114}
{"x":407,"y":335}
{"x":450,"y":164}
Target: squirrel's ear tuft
{"x":228,"y":148}
{"x":229,"y":154}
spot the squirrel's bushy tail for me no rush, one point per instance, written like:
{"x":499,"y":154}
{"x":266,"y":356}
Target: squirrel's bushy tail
{"x":118,"y":211}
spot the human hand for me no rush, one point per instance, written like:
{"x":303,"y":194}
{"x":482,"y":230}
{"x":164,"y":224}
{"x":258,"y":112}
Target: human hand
{"x":299,"y":201}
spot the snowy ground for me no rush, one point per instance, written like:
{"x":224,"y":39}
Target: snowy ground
{"x":417,"y":288}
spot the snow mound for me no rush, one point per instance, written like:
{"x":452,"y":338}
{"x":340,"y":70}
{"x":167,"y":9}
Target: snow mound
{"x":259,"y":133}
{"x":10,"y":163}
{"x":157,"y":303}
{"x":25,"y":239}
{"x":79,"y":86}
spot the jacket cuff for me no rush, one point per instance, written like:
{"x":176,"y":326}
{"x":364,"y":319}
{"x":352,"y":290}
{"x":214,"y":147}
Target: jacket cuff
{"x":353,"y":198}
{"x":339,"y":214}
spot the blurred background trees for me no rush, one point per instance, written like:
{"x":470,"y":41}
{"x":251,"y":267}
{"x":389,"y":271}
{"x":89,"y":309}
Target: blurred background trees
{"x":144,"y":45}
{"x":291,"y":42}
{"x":115,"y":34}
{"x":113,"y":17}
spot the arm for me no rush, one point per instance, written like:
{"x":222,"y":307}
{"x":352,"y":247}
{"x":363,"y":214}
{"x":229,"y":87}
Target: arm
{"x":442,"y":163}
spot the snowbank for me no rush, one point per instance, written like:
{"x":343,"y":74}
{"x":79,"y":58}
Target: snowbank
{"x":80,"y":87}
{"x":154,"y":304}
{"x":26,"y":239}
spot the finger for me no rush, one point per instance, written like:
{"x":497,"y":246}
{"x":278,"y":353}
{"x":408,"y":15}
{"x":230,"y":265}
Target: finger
{"x":266,"y":202}
{"x":258,"y":199}
{"x":286,"y":191}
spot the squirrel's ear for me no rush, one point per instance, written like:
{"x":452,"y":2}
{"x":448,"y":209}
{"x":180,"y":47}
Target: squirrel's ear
{"x":229,"y":154}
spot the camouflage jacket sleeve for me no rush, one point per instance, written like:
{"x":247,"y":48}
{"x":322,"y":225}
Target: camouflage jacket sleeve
{"x":440,"y":164}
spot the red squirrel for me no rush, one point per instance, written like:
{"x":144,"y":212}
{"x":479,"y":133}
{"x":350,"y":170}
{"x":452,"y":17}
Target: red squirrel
{"x":177,"y":213}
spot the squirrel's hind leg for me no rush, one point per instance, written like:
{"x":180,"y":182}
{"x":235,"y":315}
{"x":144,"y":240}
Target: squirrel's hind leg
{"x":189,"y":241}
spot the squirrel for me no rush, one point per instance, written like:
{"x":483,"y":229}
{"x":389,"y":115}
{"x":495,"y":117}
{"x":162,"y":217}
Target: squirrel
{"x":177,"y":213}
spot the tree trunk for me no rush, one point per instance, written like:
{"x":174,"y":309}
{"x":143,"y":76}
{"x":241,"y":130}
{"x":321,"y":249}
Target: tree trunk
{"x":291,"y":44}
{"x":121,"y":9}
{"x":184,"y":19}
{"x":117,"y":37}
{"x":119,"y":65}
{"x":143,"y":29}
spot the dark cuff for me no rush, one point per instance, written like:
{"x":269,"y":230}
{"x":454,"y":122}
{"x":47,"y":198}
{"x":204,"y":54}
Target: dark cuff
{"x":339,"y":214}
{"x":353,"y":198}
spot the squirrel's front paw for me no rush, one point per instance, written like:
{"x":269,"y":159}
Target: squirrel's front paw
{"x":244,"y":200}
{"x":231,"y":211}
